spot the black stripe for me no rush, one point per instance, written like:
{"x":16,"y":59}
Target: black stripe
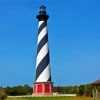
{"x":42,"y":65}
{"x":42,"y":43}
{"x":49,"y":78}
{"x":42,"y":26}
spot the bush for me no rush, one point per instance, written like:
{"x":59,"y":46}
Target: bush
{"x":3,"y":95}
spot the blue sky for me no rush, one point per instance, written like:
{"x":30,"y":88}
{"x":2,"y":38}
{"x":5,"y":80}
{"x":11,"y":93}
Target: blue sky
{"x":74,"y":41}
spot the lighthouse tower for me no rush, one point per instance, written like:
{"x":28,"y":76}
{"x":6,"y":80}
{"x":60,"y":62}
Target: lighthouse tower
{"x":43,"y":83}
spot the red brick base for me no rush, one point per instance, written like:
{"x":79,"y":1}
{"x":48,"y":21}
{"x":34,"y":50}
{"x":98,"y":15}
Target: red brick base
{"x":42,"y":88}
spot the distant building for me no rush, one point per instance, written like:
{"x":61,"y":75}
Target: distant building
{"x":96,"y":94}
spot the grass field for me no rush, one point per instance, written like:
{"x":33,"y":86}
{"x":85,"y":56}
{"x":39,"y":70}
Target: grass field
{"x":53,"y":98}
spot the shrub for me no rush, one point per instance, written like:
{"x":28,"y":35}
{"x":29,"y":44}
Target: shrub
{"x":3,"y":95}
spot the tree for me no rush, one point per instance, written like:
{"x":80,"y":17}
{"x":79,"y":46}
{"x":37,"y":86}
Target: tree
{"x":81,"y":90}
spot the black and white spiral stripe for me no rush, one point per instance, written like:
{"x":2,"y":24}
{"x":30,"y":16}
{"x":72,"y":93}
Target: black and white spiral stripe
{"x":43,"y":73}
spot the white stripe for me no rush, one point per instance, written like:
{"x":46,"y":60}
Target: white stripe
{"x":40,"y":22}
{"x":42,"y":53}
{"x":44,"y":76}
{"x":42,"y":34}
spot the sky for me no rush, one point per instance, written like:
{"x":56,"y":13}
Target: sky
{"x":74,"y":41}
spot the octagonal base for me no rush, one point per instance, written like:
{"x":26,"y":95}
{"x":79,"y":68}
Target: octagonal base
{"x":43,"y":88}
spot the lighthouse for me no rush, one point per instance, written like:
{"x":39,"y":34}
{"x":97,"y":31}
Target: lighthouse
{"x":43,"y":84}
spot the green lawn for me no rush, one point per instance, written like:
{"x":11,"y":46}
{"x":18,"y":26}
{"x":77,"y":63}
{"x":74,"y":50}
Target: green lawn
{"x":52,"y":98}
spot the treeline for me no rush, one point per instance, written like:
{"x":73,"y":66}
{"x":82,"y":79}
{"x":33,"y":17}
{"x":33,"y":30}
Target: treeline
{"x":82,"y":90}
{"x":17,"y":90}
